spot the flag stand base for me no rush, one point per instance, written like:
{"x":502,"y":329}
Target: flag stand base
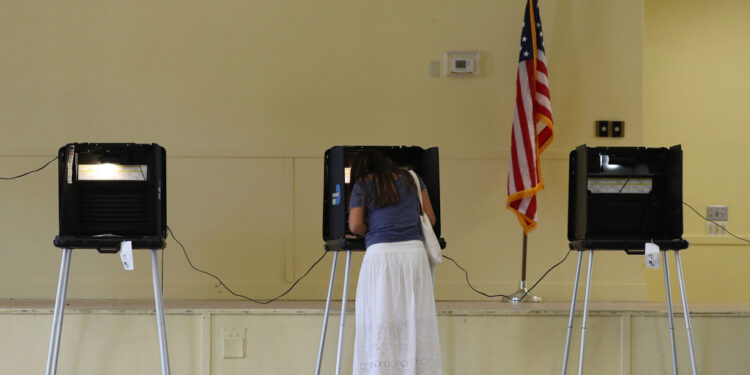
{"x":523,"y":295}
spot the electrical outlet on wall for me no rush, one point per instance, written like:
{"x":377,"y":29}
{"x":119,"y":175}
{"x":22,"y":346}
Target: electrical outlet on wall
{"x":718,"y":215}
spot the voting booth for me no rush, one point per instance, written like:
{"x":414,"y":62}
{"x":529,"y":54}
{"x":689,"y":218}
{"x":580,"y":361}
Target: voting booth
{"x":626,"y":198}
{"x":619,"y":198}
{"x":112,"y":198}
{"x":110,"y":193}
{"x":337,"y":187}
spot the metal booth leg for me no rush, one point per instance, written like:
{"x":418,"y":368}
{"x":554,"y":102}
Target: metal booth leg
{"x":343,"y":312}
{"x":325,"y":314}
{"x":572,"y":311}
{"x":160,"y":314}
{"x":57,"y":319}
{"x":685,"y":310}
{"x":585,"y":311}
{"x":669,"y":310}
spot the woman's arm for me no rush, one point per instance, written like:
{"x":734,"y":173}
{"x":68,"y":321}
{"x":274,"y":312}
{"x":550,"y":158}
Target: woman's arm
{"x":426,"y":206}
{"x":357,"y":223}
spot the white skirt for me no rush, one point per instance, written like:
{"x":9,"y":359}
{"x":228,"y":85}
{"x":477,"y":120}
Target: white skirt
{"x":396,"y":320}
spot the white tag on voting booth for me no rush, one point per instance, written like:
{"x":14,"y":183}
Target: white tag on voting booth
{"x":652,"y":255}
{"x":126,"y":255}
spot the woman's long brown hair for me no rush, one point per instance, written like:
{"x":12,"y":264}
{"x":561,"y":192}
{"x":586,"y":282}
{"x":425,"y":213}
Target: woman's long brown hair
{"x":371,"y":164}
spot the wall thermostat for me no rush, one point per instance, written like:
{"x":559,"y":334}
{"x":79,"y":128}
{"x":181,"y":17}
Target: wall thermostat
{"x":461,"y":63}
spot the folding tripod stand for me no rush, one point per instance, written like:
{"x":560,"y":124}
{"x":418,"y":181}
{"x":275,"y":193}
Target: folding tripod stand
{"x":344,"y":245}
{"x":675,"y":246}
{"x":57,"y":320}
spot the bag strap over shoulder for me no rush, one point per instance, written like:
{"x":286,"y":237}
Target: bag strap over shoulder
{"x":419,"y":192}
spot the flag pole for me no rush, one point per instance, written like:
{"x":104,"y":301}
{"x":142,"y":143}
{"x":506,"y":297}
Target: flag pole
{"x":522,"y":294}
{"x":523,"y":258}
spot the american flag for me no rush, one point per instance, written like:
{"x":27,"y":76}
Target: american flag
{"x":532,"y":121}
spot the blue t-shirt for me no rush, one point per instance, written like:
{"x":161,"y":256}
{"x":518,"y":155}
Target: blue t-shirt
{"x":394,"y":223}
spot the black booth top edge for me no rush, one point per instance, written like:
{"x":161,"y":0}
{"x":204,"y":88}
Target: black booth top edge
{"x":105,"y":144}
{"x":379,"y":146}
{"x":615,"y":148}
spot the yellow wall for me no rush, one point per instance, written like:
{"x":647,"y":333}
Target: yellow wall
{"x":247,"y":95}
{"x":696,"y":87}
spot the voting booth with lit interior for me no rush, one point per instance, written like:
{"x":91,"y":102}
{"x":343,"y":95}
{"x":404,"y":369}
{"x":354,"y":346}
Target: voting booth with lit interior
{"x":112,"y":198}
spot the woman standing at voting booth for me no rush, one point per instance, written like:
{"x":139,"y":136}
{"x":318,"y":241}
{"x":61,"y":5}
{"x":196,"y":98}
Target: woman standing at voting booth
{"x":396,"y":320}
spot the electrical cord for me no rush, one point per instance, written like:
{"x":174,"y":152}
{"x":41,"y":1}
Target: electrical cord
{"x":503,"y":295}
{"x":715,"y":223}
{"x":265,"y":302}
{"x":262,"y":302}
{"x":469,"y":282}
{"x":545,"y":274}
{"x":30,"y":172}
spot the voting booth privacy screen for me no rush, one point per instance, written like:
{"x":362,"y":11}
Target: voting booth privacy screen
{"x":623,"y":197}
{"x":337,"y":187}
{"x":112,"y":192}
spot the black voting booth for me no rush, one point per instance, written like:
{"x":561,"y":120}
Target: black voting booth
{"x":336,"y":190}
{"x":623,"y":198}
{"x":619,"y":198}
{"x":110,"y":193}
